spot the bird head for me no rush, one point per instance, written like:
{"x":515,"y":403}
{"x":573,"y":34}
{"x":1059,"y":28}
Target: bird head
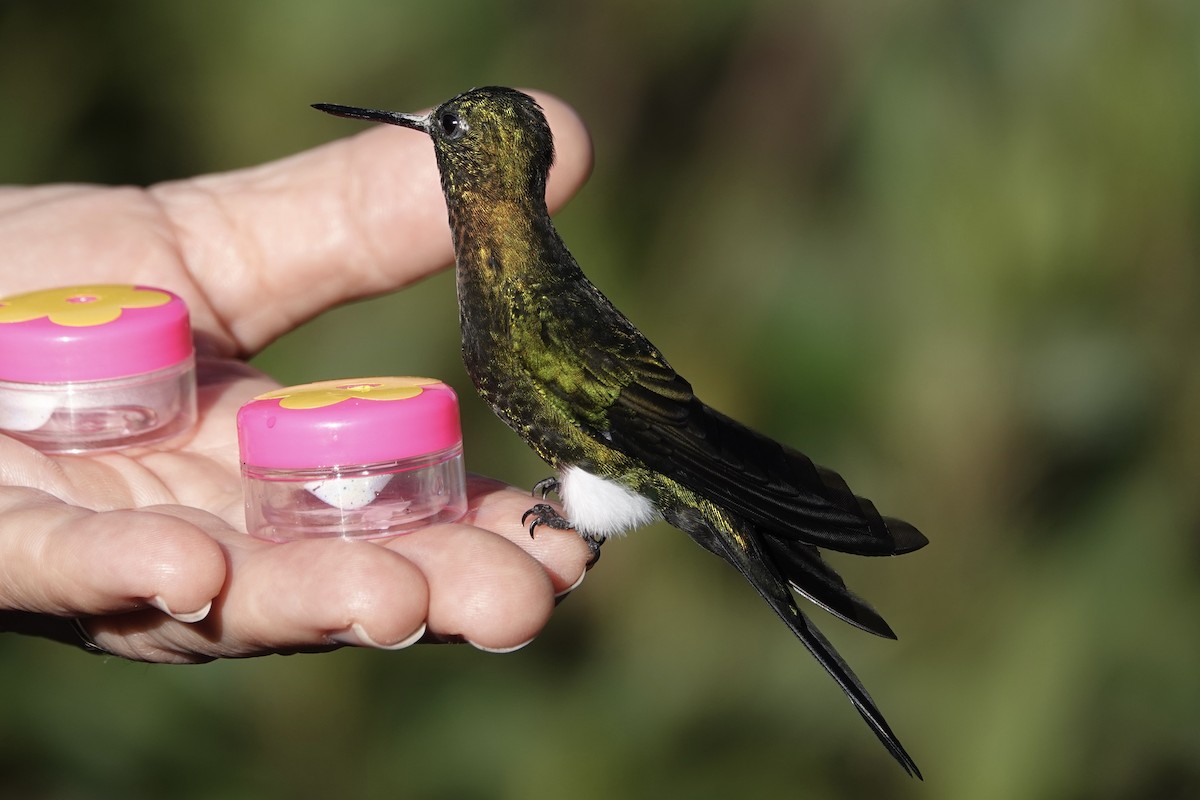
{"x":492,"y":143}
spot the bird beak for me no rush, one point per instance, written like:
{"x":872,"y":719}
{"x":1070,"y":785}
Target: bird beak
{"x":417,"y":123}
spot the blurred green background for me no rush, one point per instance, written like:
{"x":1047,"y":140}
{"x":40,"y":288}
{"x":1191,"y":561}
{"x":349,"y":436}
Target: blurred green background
{"x":947,"y":247}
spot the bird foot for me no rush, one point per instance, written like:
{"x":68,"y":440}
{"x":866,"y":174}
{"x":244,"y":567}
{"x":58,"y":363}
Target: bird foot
{"x":545,"y":486}
{"x":544,"y":514}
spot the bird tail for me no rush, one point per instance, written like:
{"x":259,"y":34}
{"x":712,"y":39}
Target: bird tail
{"x":806,"y":572}
{"x":739,"y":543}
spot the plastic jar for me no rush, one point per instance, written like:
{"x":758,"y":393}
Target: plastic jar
{"x":97,"y":367}
{"x":358,"y":458}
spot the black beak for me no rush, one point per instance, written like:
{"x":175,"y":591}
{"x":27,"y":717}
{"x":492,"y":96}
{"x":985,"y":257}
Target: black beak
{"x":417,"y":123}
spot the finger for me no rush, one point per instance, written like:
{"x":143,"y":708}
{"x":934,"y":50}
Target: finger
{"x":64,"y":560}
{"x":300,"y":596}
{"x":495,"y":591}
{"x":483,"y":588}
{"x":359,"y":216}
{"x":498,"y":507}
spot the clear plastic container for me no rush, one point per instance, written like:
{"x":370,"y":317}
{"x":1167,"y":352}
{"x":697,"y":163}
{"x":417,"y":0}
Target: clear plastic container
{"x":98,"y":367}
{"x":360,"y":458}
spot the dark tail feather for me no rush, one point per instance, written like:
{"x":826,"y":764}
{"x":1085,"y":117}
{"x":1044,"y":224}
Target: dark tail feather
{"x":840,"y":671}
{"x":828,"y":657}
{"x":808,"y":574}
{"x":764,"y":576}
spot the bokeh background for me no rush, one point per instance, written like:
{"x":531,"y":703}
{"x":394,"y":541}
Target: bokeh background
{"x":947,"y":247}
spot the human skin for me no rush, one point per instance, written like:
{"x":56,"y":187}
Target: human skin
{"x":147,"y":548}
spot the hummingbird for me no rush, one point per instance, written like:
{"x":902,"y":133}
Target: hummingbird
{"x":627,"y":438}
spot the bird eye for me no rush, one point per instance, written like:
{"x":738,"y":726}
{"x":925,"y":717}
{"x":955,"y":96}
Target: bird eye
{"x":452,"y":126}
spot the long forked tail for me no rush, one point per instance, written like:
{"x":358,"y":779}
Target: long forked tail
{"x":744,"y":551}
{"x":833,"y":663}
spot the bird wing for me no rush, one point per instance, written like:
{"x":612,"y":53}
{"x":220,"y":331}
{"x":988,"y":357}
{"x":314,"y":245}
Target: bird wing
{"x":657,"y":419}
{"x":619,"y":386}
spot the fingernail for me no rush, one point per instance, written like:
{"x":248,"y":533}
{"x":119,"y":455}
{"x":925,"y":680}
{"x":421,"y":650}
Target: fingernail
{"x":573,"y":586}
{"x":500,"y":650}
{"x":357,"y":636}
{"x":189,"y":617}
{"x":85,"y":639}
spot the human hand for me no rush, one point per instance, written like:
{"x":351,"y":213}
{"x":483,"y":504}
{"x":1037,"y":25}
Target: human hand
{"x":147,"y":548}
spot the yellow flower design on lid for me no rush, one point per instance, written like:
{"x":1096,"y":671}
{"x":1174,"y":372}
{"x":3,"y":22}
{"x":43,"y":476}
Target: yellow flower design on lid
{"x":79,"y":306}
{"x":328,"y":393}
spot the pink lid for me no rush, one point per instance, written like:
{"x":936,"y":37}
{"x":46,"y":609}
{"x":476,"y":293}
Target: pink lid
{"x":344,"y":422}
{"x":88,"y":333}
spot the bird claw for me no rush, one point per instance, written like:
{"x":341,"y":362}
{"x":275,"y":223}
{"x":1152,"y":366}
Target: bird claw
{"x":544,"y":514}
{"x":593,"y":543}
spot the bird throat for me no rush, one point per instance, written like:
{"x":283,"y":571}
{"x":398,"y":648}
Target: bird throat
{"x":503,"y":275}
